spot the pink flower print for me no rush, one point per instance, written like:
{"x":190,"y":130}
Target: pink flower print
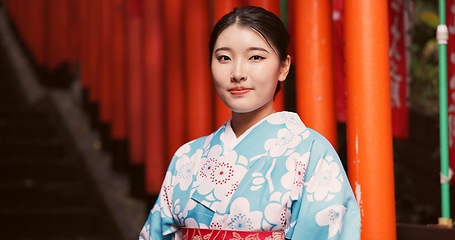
{"x":293,"y":180}
{"x":215,"y":226}
{"x":300,"y":171}
{"x":208,"y":167}
{"x":222,"y":173}
{"x":232,"y":190}
{"x":165,"y":193}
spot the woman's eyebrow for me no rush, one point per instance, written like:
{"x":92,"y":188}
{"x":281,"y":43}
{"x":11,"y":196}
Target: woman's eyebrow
{"x":258,"y":49}
{"x":222,"y":49}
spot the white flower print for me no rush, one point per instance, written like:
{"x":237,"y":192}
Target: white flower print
{"x":241,"y":218}
{"x":222,"y":173}
{"x":326,"y":182}
{"x":296,"y":165}
{"x":285,"y":140}
{"x":208,"y":164}
{"x":183,"y":150}
{"x":220,"y":182}
{"x":207,"y":167}
{"x":292,"y":121}
{"x":275,"y":213}
{"x":185,"y":169}
{"x":332,"y":216}
{"x":241,"y":221}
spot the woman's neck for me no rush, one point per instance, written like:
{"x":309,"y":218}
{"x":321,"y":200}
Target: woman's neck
{"x":241,"y":122}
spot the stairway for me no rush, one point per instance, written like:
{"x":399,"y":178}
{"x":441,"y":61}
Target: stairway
{"x":46,"y":192}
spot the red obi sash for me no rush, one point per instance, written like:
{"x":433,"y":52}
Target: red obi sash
{"x":212,"y":234}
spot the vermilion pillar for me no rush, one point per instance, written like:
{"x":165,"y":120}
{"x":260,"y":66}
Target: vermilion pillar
{"x":199,"y":87}
{"x":105,"y":69}
{"x":93,"y":70}
{"x":369,"y":131}
{"x":58,"y":32}
{"x":118,"y":52}
{"x":84,"y":42}
{"x":314,"y":68}
{"x":272,"y":6}
{"x":174,"y":77}
{"x":135,"y":96}
{"x":74,"y":30}
{"x":119,"y":89}
{"x":155,"y":155}
{"x":221,"y":8}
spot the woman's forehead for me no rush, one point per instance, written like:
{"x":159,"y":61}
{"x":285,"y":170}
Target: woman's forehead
{"x":241,"y":36}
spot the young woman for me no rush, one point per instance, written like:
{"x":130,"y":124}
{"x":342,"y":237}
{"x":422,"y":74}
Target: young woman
{"x":263,"y":174}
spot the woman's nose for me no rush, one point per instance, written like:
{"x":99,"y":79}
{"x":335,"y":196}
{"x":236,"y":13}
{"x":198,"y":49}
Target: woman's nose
{"x":238,"y":72}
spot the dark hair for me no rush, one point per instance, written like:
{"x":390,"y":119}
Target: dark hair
{"x":267,"y":24}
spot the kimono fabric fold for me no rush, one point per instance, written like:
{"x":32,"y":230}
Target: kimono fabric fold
{"x":278,"y":176}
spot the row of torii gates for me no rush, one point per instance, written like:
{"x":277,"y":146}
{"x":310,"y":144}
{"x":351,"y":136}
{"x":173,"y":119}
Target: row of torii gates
{"x":131,"y":51}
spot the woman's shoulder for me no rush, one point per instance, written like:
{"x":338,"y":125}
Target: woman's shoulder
{"x":199,"y":142}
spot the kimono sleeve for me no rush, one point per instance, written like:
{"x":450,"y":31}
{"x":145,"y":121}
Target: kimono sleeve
{"x":160,"y":224}
{"x":326,"y":207}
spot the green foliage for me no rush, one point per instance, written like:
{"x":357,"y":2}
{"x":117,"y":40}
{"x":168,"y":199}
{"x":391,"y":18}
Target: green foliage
{"x":424,"y":58}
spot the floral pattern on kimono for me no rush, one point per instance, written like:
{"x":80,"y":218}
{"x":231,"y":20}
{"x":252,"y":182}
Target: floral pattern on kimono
{"x":278,"y":176}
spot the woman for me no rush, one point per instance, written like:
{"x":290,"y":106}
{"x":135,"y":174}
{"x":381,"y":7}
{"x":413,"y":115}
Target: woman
{"x":263,"y":174}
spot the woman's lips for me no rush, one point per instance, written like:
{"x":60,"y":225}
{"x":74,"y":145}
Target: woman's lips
{"x":238,"y":91}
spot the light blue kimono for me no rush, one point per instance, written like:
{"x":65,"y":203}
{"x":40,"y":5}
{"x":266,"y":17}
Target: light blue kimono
{"x":279,"y":175}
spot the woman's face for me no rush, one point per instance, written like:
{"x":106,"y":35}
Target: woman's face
{"x":246,"y":69}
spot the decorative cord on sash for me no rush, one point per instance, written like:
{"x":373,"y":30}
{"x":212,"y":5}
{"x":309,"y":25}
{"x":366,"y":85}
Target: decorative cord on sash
{"x":212,"y":234}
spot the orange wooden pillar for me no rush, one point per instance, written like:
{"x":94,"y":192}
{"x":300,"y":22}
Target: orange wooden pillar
{"x":174,"y":77}
{"x":84,"y":45}
{"x":221,"y":8}
{"x":92,"y":73}
{"x":105,"y":87}
{"x":369,"y":131}
{"x":119,"y":89}
{"x":155,"y":154}
{"x":61,"y":28}
{"x":272,"y":6}
{"x":74,"y":33}
{"x":314,"y":68}
{"x":58,"y":33}
{"x":198,"y":95}
{"x":52,"y":57}
{"x":136,"y":96}
{"x":135,"y":76}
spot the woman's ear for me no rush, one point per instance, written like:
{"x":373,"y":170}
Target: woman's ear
{"x":284,"y":70}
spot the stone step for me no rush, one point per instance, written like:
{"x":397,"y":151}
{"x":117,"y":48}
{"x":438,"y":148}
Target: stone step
{"x":48,"y":221}
{"x":40,"y":173}
{"x":32,"y":149}
{"x":30,"y":193}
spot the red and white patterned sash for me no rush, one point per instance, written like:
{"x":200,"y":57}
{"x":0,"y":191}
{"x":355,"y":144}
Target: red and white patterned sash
{"x":212,"y":234}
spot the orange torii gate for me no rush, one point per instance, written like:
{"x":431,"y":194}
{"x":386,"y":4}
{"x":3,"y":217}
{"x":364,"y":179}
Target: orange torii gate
{"x":369,"y":125}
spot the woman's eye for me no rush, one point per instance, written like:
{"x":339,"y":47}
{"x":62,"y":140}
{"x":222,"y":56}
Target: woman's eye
{"x":223,"y":58}
{"x":256,"y":58}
